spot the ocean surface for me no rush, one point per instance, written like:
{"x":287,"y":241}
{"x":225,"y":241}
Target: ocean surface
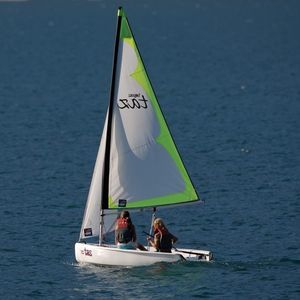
{"x":227,"y":75}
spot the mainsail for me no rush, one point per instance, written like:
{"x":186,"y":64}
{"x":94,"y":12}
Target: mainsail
{"x":145,"y":168}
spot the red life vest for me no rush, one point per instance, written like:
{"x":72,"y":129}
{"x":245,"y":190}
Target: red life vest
{"x":122,"y":223}
{"x":124,"y":230}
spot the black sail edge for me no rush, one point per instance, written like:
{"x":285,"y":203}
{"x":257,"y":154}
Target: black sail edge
{"x":105,"y":183}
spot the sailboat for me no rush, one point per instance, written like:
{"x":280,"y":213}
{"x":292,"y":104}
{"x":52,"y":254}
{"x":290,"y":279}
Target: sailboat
{"x":138,"y":166}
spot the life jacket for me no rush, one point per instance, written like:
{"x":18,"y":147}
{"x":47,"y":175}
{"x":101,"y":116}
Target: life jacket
{"x":124,"y":230}
{"x":122,"y":223}
{"x":165,"y":240}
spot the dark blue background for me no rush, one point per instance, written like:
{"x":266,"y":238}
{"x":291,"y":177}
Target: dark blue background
{"x":228,"y":80}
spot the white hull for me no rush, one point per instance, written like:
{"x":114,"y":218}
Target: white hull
{"x":194,"y":254}
{"x":110,"y":255}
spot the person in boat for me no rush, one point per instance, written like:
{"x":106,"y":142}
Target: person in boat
{"x":125,"y":234}
{"x":163,"y":240}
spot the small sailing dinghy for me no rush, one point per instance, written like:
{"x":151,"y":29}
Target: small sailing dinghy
{"x":137,"y":166}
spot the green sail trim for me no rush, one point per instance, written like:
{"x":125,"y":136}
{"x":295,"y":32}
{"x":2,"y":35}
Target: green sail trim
{"x":164,"y":138}
{"x":125,"y":31}
{"x":154,"y":202}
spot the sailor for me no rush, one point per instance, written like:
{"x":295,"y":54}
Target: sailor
{"x":125,"y":235}
{"x":163,"y":240}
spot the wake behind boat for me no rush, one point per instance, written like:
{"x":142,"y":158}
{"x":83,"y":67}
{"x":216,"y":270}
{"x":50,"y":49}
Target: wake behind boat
{"x":138,"y":165}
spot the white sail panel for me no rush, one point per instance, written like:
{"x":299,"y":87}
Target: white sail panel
{"x":91,"y":220}
{"x":145,"y":169}
{"x":141,"y":168}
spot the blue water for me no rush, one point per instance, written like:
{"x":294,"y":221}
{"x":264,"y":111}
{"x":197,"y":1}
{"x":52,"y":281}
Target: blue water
{"x":227,"y":74}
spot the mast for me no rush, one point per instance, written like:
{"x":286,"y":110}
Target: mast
{"x":105,"y":183}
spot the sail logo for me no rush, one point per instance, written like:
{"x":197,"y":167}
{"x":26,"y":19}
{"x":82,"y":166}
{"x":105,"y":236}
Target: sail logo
{"x":86,"y":252}
{"x":88,"y":232}
{"x":133,"y":101}
{"x":122,"y":202}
